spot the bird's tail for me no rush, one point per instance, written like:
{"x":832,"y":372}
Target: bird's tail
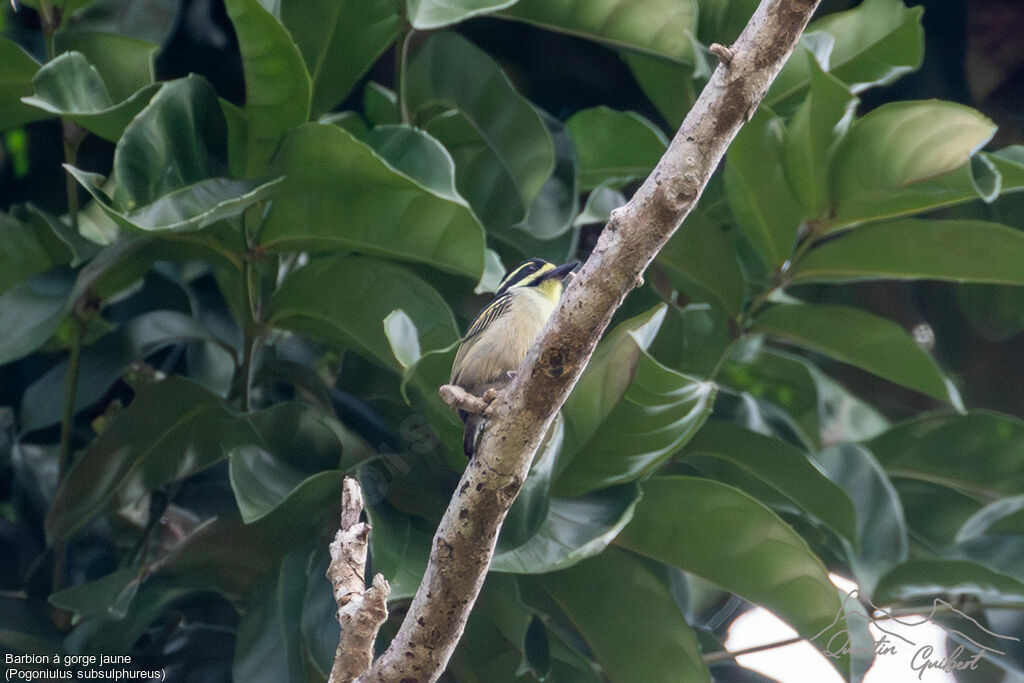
{"x":474,"y":424}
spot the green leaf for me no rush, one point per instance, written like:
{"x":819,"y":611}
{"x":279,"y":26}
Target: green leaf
{"x":935,"y":447}
{"x":32,"y":310}
{"x":125,"y":63}
{"x":881,"y":528}
{"x":400,"y":547}
{"x":669,"y":85}
{"x":811,"y":138}
{"x":727,"y":537}
{"x":913,"y":249}
{"x":339,"y":42}
{"x":25,"y":626}
{"x":931,"y":576}
{"x":425,"y":15}
{"x":782,"y":467}
{"x":186,"y":209}
{"x":268,"y":645}
{"x":29,"y":245}
{"x":71,"y":87}
{"x":660,"y":27}
{"x":171,"y":429}
{"x":417,"y":155}
{"x":499,"y":142}
{"x":403,"y":338}
{"x":873,"y":44}
{"x":1002,"y":516}
{"x":758,"y":190}
{"x":627,"y":619}
{"x":934,"y":513}
{"x":552,"y":211}
{"x":895,"y":147}
{"x":1000,"y":553}
{"x":383,"y":210}
{"x":277,"y":85}
{"x":575,"y":529}
{"x":700,"y":260}
{"x":17,"y":69}
{"x":344,"y":300}
{"x":176,"y":141}
{"x":853,"y":336}
{"x":380,"y":105}
{"x":995,"y":312}
{"x":614,"y":146}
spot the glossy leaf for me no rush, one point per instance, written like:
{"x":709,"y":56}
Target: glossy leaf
{"x":277,"y":85}
{"x":28,"y":247}
{"x":71,"y":87}
{"x":872,"y":44}
{"x":425,"y":15}
{"x":339,"y":42}
{"x":659,"y":27}
{"x":346,"y":299}
{"x":758,"y":190}
{"x":926,"y":577}
{"x":532,"y":506}
{"x":1005,"y":515}
{"x":614,"y":146}
{"x":399,"y":545}
{"x":187,"y":209}
{"x":627,"y":619}
{"x":668,"y":84}
{"x":17,"y":69}
{"x":125,"y":63}
{"x":32,"y":311}
{"x":551,"y":213}
{"x":1001,"y":553}
{"x":783,"y":468}
{"x":340,"y":194}
{"x":929,"y":139}
{"x":811,"y":137}
{"x":575,"y":529}
{"x":176,"y":141}
{"x":911,"y":249}
{"x":935,"y":448}
{"x":725,"y":536}
{"x":269,"y":647}
{"x":500,"y":144}
{"x":934,"y":512}
{"x":700,"y":260}
{"x":171,"y":429}
{"x":853,"y":336}
{"x":881,"y":528}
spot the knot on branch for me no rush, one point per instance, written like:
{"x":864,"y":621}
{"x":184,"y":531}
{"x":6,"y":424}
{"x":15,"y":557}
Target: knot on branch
{"x":455,"y":396}
{"x":724,"y":54}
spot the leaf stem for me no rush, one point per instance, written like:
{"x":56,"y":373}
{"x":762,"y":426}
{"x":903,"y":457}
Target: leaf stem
{"x":726,"y":655}
{"x":67,"y":433}
{"x":401,"y":69}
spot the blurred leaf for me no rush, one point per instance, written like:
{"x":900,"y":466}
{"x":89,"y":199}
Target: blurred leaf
{"x":339,"y":42}
{"x":934,"y":512}
{"x":503,"y":152}
{"x":725,"y":536}
{"x":669,"y":85}
{"x":268,"y":645}
{"x":380,"y":105}
{"x":723,"y":20}
{"x":346,"y":299}
{"x":386,"y":212}
{"x":425,"y":15}
{"x":758,"y":190}
{"x":782,"y":467}
{"x":957,"y":250}
{"x":601,"y":201}
{"x":399,"y":547}
{"x":32,"y":310}
{"x":575,"y":529}
{"x":403,"y":338}
{"x":627,"y":619}
{"x":187,"y":209}
{"x":176,"y":141}
{"x":277,"y":85}
{"x":881,"y":528}
{"x":552,"y":211}
{"x":931,"y":140}
{"x":811,"y":137}
{"x":1002,"y":516}
{"x":28,"y":247}
{"x":872,"y":44}
{"x":700,"y":260}
{"x":853,"y":336}
{"x":320,"y":629}
{"x":995,"y":312}
{"x":617,"y":146}
{"x":532,"y":506}
{"x":25,"y":627}
{"x":980,"y":452}
{"x":660,"y":27}
{"x":125,"y":63}
{"x":71,"y":87}
{"x":1000,"y":553}
{"x":102,"y":363}
{"x":694,"y":339}
{"x":171,"y":429}
{"x":17,"y":70}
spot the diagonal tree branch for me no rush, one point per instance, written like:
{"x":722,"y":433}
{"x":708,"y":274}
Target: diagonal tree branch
{"x":519,"y":418}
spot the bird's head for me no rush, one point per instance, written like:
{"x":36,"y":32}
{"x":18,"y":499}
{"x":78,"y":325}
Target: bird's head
{"x":536,"y":272}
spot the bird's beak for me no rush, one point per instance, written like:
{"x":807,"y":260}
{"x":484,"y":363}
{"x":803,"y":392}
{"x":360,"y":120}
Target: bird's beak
{"x":561,"y":272}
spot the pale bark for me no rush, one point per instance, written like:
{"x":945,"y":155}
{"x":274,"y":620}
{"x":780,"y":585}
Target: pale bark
{"x":519,"y":417}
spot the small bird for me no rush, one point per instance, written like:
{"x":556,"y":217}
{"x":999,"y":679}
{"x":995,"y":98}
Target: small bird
{"x":503,"y":332}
